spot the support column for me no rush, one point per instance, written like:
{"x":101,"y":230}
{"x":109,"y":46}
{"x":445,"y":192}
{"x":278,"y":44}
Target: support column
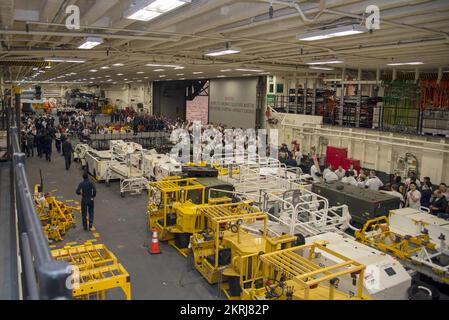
{"x":342,"y":98}
{"x":305,"y":93}
{"x":17,"y":92}
{"x":359,"y":98}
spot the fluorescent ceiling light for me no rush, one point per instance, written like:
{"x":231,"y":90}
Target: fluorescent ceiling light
{"x":405,"y":63}
{"x":72,"y":60}
{"x":93,"y":70}
{"x":118,"y":64}
{"x":324,"y":62}
{"x":162,"y":76}
{"x":47,"y":67}
{"x":120,"y":74}
{"x":332,"y":33}
{"x":222,"y":52}
{"x":146,"y":10}
{"x":321,"y":68}
{"x":198,"y":72}
{"x":226,"y":70}
{"x":54,"y":59}
{"x":159,"y":70}
{"x":180,"y":74}
{"x":221,"y":76}
{"x":105,"y":67}
{"x":249,"y":70}
{"x":174,"y":66}
{"x":140,"y":72}
{"x":75,"y":60}
{"x":90,"y":43}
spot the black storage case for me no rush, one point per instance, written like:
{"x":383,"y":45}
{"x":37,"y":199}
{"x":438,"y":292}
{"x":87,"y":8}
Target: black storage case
{"x":363,"y":204}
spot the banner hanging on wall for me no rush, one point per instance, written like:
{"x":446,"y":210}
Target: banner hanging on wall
{"x":233,"y":102}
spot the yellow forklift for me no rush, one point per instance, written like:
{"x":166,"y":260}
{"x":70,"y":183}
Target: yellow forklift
{"x":173,"y":207}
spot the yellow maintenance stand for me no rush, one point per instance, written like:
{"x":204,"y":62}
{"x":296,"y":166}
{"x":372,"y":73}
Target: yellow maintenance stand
{"x":56,"y":217}
{"x":376,"y":233}
{"x":95,"y":271}
{"x":218,"y":251}
{"x":292,"y":274}
{"x":173,"y":207}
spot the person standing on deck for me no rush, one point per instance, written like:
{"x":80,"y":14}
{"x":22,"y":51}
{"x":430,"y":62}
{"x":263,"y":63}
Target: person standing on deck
{"x":86,"y":189}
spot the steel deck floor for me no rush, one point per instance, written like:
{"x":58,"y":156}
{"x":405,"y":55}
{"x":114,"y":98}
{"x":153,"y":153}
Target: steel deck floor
{"x":122,"y":225}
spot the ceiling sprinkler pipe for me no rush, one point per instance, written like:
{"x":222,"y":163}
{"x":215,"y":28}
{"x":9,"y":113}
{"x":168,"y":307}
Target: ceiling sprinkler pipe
{"x":301,"y":13}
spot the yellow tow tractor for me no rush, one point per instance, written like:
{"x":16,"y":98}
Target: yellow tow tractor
{"x":228,"y":237}
{"x":173,"y":207}
{"x":292,"y":274}
{"x":95,"y":271}
{"x":56,"y":217}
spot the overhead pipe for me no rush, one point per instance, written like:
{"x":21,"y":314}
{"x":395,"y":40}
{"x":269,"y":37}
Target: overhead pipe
{"x":81,"y":34}
{"x":178,"y":34}
{"x":391,"y":23}
{"x":295,"y":5}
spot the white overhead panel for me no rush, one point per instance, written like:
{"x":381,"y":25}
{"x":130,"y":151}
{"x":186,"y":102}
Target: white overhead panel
{"x":26,"y":15}
{"x":69,"y":60}
{"x":324,"y":62}
{"x":90,"y":43}
{"x":333,"y":32}
{"x":222,"y":51}
{"x":405,"y":63}
{"x":146,"y":10}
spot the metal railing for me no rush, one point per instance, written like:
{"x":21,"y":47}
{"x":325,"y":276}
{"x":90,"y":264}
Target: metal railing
{"x":39,"y":275}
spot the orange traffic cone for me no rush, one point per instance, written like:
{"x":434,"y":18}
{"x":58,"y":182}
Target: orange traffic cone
{"x":154,"y":247}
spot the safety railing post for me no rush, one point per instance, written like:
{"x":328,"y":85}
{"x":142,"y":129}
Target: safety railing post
{"x":45,"y":278}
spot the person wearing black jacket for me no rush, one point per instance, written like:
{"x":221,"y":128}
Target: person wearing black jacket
{"x":86,"y":189}
{"x":47,"y":141}
{"x":40,"y":143}
{"x":438,"y":206}
{"x":67,"y":150}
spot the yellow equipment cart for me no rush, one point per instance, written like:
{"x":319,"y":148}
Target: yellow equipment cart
{"x":173,"y":208}
{"x":96,"y":270}
{"x":218,"y":251}
{"x":292,"y":274}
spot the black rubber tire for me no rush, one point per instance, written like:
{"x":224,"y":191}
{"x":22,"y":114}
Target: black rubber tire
{"x":300,"y":239}
{"x":422,"y":291}
{"x":122,"y":194}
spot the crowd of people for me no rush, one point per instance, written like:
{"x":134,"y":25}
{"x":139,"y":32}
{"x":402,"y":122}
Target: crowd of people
{"x":39,"y":132}
{"x":137,"y":121}
{"x":412,"y":192}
